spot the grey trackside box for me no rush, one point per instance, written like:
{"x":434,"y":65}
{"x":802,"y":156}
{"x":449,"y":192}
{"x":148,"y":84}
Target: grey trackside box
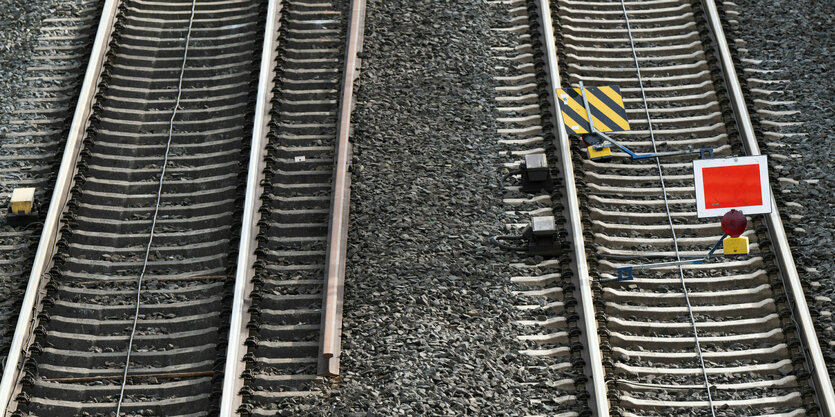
{"x":537,"y":166}
{"x":543,"y":226}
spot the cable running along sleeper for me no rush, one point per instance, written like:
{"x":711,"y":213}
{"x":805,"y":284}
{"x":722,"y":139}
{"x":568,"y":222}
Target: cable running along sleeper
{"x":667,"y":207}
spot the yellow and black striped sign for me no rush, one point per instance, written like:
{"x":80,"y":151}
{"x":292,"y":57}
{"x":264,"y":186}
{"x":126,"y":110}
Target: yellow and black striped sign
{"x":606,"y":106}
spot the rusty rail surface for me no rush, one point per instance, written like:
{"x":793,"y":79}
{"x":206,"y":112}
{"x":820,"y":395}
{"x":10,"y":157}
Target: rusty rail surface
{"x":28,"y":319}
{"x":330,"y":346}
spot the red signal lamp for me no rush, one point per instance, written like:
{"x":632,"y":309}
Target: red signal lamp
{"x":734,"y":224}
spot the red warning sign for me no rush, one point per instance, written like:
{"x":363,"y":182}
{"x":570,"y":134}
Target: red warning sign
{"x":732,"y":183}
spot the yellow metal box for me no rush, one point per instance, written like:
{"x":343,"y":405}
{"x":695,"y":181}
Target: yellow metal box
{"x":595,"y":154}
{"x":735,"y":245}
{"x":22,"y":201}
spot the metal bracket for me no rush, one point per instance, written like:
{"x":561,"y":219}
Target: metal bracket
{"x":625,"y":273}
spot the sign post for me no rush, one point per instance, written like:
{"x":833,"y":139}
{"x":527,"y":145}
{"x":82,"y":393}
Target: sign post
{"x":591,"y":111}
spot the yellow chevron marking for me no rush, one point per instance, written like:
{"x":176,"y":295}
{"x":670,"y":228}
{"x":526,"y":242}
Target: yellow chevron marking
{"x":610,"y":92}
{"x":603,"y":108}
{"x":580,"y":110}
{"x":576,"y":127}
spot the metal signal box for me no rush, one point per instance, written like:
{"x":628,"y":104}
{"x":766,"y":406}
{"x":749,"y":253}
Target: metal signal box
{"x":535,"y":174}
{"x":23,"y":201}
{"x":537,"y":166}
{"x":735,"y":245}
{"x":543,"y":226}
{"x":603,"y":154}
{"x":543,"y":239}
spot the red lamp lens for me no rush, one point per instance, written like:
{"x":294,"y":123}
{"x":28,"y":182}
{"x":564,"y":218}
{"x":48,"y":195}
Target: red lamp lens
{"x":734,"y":223}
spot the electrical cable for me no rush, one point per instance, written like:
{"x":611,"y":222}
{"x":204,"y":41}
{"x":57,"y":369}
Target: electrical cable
{"x":506,"y":176}
{"x":667,"y":207}
{"x":497,"y":240}
{"x":156,"y":213}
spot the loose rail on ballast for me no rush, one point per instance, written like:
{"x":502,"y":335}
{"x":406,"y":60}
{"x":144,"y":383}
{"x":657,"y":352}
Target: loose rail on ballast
{"x":331,"y":346}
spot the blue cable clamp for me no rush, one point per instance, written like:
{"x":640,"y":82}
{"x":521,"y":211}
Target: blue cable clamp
{"x":625,"y":273}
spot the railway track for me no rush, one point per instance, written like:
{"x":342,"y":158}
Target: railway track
{"x":174,"y":93}
{"x":755,"y":352}
{"x":292,"y":261}
{"x":128,"y":306}
{"x":184,"y":270}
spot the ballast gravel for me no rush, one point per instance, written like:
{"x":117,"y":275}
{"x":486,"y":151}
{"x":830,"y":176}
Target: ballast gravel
{"x":797,"y":40}
{"x":20,"y":23}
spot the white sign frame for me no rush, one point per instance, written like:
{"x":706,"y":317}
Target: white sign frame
{"x":765,"y":187}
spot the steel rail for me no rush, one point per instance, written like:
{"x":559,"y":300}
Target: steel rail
{"x":785,"y":261}
{"x":50,"y":234}
{"x":596,"y":385}
{"x":330,"y":343}
{"x":244,"y":272}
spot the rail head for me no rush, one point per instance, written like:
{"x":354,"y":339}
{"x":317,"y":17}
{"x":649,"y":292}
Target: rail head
{"x":244,"y":272}
{"x":330,"y":343}
{"x":596,"y":385}
{"x":788,"y":270}
{"x":50,"y":234}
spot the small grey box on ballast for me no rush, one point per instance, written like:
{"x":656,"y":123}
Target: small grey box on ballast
{"x":537,"y":167}
{"x":543,"y":226}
